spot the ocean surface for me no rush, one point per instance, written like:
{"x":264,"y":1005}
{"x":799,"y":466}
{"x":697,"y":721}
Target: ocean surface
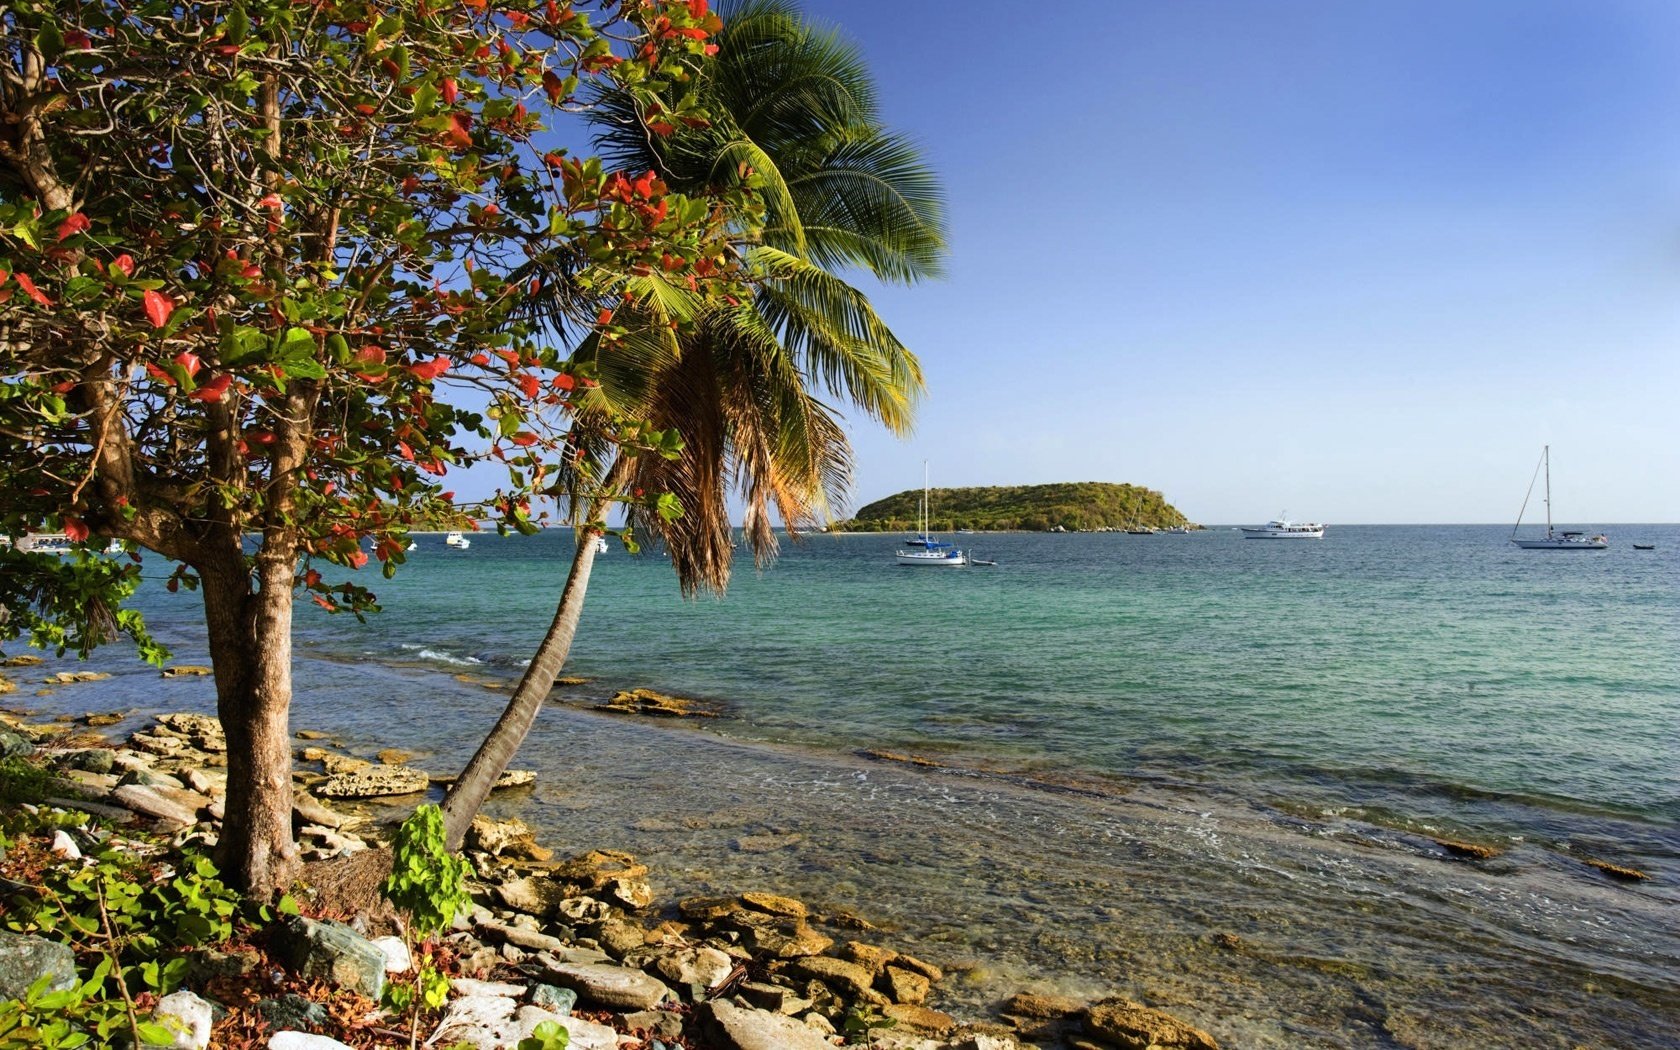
{"x":1201,"y":771}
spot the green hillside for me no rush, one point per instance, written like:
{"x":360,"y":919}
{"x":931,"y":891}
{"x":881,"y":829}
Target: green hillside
{"x":1072,"y":505}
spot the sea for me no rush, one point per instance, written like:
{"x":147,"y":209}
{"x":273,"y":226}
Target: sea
{"x":1208,"y":773}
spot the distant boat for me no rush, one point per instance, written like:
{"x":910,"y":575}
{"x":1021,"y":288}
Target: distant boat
{"x":458,"y":541}
{"x":931,"y":550}
{"x":1644,"y":546}
{"x":601,"y":545}
{"x":46,"y":543}
{"x":1553,"y":541}
{"x":1281,"y":528}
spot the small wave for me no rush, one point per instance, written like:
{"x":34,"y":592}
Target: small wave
{"x":440,"y":656}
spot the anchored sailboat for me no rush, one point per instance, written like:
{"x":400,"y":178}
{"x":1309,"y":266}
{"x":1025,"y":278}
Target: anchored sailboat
{"x":933,"y":550}
{"x":1553,"y":541}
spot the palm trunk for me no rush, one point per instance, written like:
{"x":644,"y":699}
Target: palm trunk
{"x":251,"y":649}
{"x":473,"y":786}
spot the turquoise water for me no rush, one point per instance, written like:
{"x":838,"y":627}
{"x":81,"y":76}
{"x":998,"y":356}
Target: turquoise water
{"x":1144,"y":742}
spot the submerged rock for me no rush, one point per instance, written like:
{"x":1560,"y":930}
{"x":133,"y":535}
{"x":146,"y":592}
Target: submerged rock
{"x":187,"y":671}
{"x":661,"y":705}
{"x":1133,"y":1026}
{"x":1616,"y":871}
{"x":1469,"y":850}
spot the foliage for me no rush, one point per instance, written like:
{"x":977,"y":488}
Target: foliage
{"x":547,"y":1035}
{"x":427,"y":885}
{"x":132,"y":922}
{"x":21,"y":782}
{"x":1072,"y":505}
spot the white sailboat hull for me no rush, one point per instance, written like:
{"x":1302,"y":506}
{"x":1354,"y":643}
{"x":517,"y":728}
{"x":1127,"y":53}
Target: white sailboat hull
{"x":933,"y":559}
{"x":1563,"y":543}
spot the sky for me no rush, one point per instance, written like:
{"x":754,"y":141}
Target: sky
{"x":1356,"y":261}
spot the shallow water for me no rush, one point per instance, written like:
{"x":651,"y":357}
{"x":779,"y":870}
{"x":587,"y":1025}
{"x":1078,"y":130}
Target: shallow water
{"x":1183,"y":737}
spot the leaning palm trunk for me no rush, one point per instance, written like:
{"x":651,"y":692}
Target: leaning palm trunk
{"x":473,"y":786}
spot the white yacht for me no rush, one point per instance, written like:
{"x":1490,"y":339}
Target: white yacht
{"x":929,"y":550}
{"x":1553,"y":541}
{"x":458,"y":541}
{"x":1281,"y":528}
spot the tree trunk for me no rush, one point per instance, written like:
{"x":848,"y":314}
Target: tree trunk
{"x":470,"y":790}
{"x":251,"y":649}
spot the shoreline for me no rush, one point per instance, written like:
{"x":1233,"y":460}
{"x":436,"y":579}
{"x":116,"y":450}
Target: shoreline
{"x":618,"y":788}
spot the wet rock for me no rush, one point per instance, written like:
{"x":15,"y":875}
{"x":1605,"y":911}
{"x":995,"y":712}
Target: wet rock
{"x":188,"y":1017}
{"x":1467,"y":850}
{"x":514,"y":778}
{"x":1616,"y":871}
{"x":25,"y":959}
{"x":772,"y":904}
{"x":187,"y":671}
{"x":100,"y":721}
{"x":25,"y":660}
{"x":920,"y":1018}
{"x":72,"y":677}
{"x":874,"y":958}
{"x":148,"y":802}
{"x":612,"y":987}
{"x":1043,"y":1007}
{"x":374,"y":782}
{"x":707,"y":909}
{"x":311,"y":734}
{"x":768,"y":843}
{"x":394,"y":756}
{"x":1132,"y":1026}
{"x":904,"y":986}
{"x":926,"y":969}
{"x":847,"y":978}
{"x":592,"y":871}
{"x":336,"y":763}
{"x":506,"y":838}
{"x":739,"y":1028}
{"x":331,"y":951}
{"x":777,"y":935}
{"x":659,"y":705}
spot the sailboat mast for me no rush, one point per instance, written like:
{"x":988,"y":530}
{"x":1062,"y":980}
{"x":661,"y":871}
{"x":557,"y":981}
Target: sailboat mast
{"x":1547,"y":456}
{"x":924,"y":498}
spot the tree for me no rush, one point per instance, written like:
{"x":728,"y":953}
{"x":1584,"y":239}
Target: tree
{"x":246,"y":247}
{"x":792,"y":117}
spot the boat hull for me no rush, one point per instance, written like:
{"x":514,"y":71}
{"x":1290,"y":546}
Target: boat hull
{"x":1562,"y":545}
{"x":932,"y":559}
{"x":1273,"y":534}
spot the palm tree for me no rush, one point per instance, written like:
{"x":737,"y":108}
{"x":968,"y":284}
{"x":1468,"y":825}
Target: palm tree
{"x":791,"y":107}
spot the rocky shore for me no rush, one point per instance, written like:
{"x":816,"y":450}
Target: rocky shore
{"x":586,"y":941}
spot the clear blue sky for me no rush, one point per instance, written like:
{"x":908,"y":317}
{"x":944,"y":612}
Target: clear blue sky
{"x":1358,"y":260}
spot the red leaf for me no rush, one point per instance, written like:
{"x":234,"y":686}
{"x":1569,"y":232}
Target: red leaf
{"x":449,"y":91}
{"x":188,"y":362}
{"x":358,"y":559}
{"x":125,"y":263}
{"x":402,"y":447}
{"x":77,"y":223}
{"x":531,"y":385}
{"x":564,"y":381}
{"x":430,"y":370}
{"x":76,"y":529}
{"x":271,"y":201}
{"x":697,"y":8}
{"x":524,"y":439}
{"x":604,"y":317}
{"x":30,"y":290}
{"x":158,"y":308}
{"x":213,"y":390}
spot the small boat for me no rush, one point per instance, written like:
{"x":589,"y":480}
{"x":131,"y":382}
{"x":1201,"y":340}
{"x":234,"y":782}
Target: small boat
{"x":458,"y":541}
{"x":601,"y":545}
{"x":1553,"y":541}
{"x":1281,"y":528}
{"x":977,"y":561}
{"x":1140,"y":532}
{"x":413,"y":545}
{"x":930,"y":551}
{"x":1644,"y":546}
{"x":46,"y":543}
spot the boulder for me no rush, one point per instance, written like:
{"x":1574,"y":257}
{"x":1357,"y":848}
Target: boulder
{"x":203,"y":731}
{"x":778,"y":935}
{"x":772,"y":904}
{"x":904,"y":986}
{"x":920,"y":1018}
{"x":148,"y":802}
{"x":397,"y":957}
{"x":847,"y":978}
{"x":506,"y":838}
{"x":186,"y":1015}
{"x":331,"y":951}
{"x":1133,"y":1026}
{"x":533,"y":895}
{"x":740,"y":1028}
{"x":87,"y":759}
{"x":660,"y":705}
{"x":187,"y":671}
{"x":25,"y":959}
{"x":374,"y":782}
{"x":15,"y":745}
{"x":703,"y":968}
{"x":611,"y":987}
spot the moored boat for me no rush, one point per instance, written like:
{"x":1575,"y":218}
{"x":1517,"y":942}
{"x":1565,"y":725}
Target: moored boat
{"x":458,"y":541}
{"x":928,"y":550}
{"x":1553,"y":540}
{"x":1281,"y":528}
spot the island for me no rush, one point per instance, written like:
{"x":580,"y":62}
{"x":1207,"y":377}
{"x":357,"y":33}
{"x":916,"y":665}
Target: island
{"x":1072,"y":506}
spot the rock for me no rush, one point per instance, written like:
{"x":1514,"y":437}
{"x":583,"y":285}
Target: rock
{"x":777,"y":935}
{"x":506,"y":838}
{"x":25,"y":959}
{"x":467,"y":987}
{"x":920,"y":1018}
{"x":394,"y":756}
{"x":533,"y":895}
{"x":583,"y":911}
{"x":552,"y":997}
{"x":661,"y":705}
{"x":149,"y":803}
{"x":707,"y":909}
{"x":88,"y":760}
{"x":1133,"y":1026}
{"x":703,"y":967}
{"x":153,"y":744}
{"x":771,"y":904}
{"x":113,"y":814}
{"x":25,"y":660}
{"x":334,"y":763}
{"x":581,"y":1034}
{"x":738,"y":1028}
{"x":1467,"y":850}
{"x":101,"y":720}
{"x":494,"y":1022}
{"x":1616,"y":871}
{"x":65,"y":846}
{"x":304,"y":1041}
{"x":926,"y":969}
{"x":292,"y":1011}
{"x":312,"y":811}
{"x":904,"y":986}
{"x":331,"y":951}
{"x":875,"y":958}
{"x":514,"y":778}
{"x":988,"y":1041}
{"x":611,"y":987}
{"x":660,"y":1024}
{"x":772,"y":997}
{"x":311,"y":734}
{"x":15,"y":745}
{"x":186,"y":1015}
{"x":847,"y":978}
{"x":187,"y":671}
{"x":522,"y":938}
{"x":374,"y":782}
{"x":593,"y":871}
{"x":72,"y":677}
{"x":397,"y":957}
{"x":619,"y":939}
{"x":1042,"y":1007}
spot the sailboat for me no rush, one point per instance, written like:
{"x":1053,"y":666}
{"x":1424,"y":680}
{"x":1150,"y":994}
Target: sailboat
{"x":1554,"y":541}
{"x":933,"y":550}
